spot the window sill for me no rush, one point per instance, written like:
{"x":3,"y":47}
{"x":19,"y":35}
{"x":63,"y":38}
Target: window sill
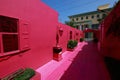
{"x":12,"y":53}
{"x":9,"y":53}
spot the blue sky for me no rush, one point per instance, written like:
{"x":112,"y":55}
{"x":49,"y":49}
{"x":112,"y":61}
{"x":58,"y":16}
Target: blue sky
{"x":66,"y":8}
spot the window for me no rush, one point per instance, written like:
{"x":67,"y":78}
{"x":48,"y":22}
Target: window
{"x":92,"y":16}
{"x":8,"y":34}
{"x":104,"y":15}
{"x":86,"y":25}
{"x":86,"y":17}
{"x":72,"y":19}
{"x":82,"y":27}
{"x":95,"y":26}
{"x":76,"y":19}
{"x":81,"y":18}
{"x":70,"y":35}
{"x":98,"y":15}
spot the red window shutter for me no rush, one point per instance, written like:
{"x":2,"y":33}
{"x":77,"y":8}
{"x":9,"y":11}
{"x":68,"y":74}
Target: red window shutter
{"x":24,"y":35}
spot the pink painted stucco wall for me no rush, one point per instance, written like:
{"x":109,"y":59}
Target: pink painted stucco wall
{"x":40,"y":22}
{"x":66,"y":35}
{"x":110,"y":45}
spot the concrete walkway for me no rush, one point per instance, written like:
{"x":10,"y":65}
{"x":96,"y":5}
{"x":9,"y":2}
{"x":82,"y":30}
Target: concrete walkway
{"x":82,"y":64}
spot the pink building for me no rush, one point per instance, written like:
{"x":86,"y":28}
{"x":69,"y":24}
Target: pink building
{"x":28,"y":31}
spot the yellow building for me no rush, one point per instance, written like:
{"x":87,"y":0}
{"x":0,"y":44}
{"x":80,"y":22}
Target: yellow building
{"x":88,"y":20}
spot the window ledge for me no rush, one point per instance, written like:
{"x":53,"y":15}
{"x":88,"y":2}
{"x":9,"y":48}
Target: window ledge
{"x":9,"y":53}
{"x":12,"y":53}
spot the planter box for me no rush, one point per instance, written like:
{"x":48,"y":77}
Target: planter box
{"x":57,"y":53}
{"x":23,"y":74}
{"x":37,"y":76}
{"x":57,"y":56}
{"x":70,"y":49}
{"x":57,"y":49}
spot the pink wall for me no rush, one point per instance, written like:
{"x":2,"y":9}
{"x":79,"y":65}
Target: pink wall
{"x":40,"y":21}
{"x":66,"y":35}
{"x":110,"y":44}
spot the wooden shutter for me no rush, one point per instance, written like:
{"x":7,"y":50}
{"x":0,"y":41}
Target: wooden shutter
{"x":24,"y":35}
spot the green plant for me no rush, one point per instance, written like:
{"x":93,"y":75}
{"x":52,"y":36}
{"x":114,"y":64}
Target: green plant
{"x":26,"y":75}
{"x":71,"y":23}
{"x":14,"y":74}
{"x":75,"y":43}
{"x":70,"y":44}
{"x":81,"y":39}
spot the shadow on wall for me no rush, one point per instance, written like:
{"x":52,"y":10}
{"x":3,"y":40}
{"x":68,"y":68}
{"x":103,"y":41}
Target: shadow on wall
{"x":113,"y":66}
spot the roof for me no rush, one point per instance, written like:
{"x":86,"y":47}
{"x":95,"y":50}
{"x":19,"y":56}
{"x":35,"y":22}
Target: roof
{"x":88,"y":13}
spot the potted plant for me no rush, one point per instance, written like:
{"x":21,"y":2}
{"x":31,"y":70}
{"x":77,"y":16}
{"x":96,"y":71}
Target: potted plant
{"x":70,"y":45}
{"x":26,"y":75}
{"x":75,"y":43}
{"x":81,"y":39}
{"x":57,"y":53}
{"x":22,"y":74}
{"x":57,"y":50}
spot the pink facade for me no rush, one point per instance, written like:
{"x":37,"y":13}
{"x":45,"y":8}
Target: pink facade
{"x":110,"y":34}
{"x":76,"y":34}
{"x":37,"y":28}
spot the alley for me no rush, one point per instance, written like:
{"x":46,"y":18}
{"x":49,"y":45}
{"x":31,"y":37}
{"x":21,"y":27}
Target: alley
{"x":87,"y":65}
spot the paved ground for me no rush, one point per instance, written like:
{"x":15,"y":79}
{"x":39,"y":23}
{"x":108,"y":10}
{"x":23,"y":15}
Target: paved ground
{"x":88,"y":65}
{"x":85,"y":63}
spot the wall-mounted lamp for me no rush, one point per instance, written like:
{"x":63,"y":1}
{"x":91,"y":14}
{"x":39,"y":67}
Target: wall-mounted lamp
{"x":60,"y":31}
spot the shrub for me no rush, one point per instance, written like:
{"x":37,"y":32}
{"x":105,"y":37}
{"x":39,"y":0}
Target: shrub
{"x":26,"y":75}
{"x":72,"y":43}
{"x":81,"y":39}
{"x":75,"y":43}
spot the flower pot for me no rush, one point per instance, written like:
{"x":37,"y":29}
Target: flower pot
{"x":57,"y":57}
{"x":57,"y":49}
{"x":70,"y":49}
{"x":57,"y":53}
{"x":37,"y":76}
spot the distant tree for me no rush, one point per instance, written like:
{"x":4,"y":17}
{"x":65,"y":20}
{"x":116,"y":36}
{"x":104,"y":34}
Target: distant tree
{"x":70,"y":23}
